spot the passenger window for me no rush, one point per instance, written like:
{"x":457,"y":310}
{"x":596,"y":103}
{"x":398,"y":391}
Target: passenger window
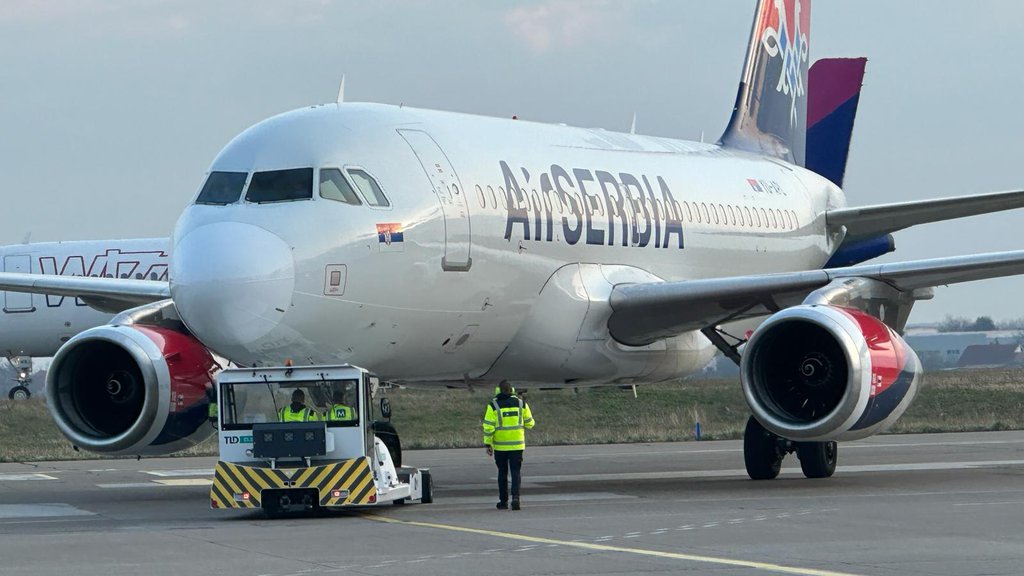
{"x":222,"y":188}
{"x":494,"y":200}
{"x":689,"y":213}
{"x":480,"y":196}
{"x":704,"y":213}
{"x":714,"y":214}
{"x":372,"y":193}
{"x":503,"y":197}
{"x":281,"y":185}
{"x":334,"y":186}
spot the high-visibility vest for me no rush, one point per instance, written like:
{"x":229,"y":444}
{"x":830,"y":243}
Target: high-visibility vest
{"x":304,"y":415}
{"x":340,"y":412}
{"x":505,"y":423}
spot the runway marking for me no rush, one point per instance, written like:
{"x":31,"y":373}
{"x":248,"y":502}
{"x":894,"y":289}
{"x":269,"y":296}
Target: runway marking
{"x":679,"y":474}
{"x":989,"y":503}
{"x":171,"y":473}
{"x":764,"y":566}
{"x":562,"y":497}
{"x":185,"y":482}
{"x":119,"y":485}
{"x":49,"y":510}
{"x":22,"y":477}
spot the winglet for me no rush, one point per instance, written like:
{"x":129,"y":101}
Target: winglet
{"x":341,"y":90}
{"x":833,"y":92}
{"x":770,"y":113}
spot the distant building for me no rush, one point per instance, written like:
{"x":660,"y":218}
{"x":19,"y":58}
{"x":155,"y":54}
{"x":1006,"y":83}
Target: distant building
{"x":991,"y":355}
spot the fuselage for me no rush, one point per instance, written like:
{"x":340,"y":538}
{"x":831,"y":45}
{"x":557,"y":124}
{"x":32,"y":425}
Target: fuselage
{"x":496,"y":248}
{"x":37,"y":324}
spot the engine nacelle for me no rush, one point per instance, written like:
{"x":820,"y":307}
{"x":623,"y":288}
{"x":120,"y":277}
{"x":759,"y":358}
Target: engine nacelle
{"x":132,"y":390}
{"x":819,"y":373}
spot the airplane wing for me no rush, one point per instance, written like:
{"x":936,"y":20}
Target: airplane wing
{"x":104,"y":294}
{"x":645,"y":313}
{"x":872,"y":221}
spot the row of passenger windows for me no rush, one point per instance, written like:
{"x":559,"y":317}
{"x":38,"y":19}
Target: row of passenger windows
{"x":351,"y":186}
{"x":692,"y":212}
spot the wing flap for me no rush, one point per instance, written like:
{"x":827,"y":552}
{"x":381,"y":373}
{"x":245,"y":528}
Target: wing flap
{"x":104,"y":294}
{"x":645,"y":313}
{"x":872,"y":221}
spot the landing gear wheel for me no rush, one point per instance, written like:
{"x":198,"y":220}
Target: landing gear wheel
{"x":761,"y":453}
{"x":428,"y":489}
{"x":818,"y":459}
{"x":19,"y":393}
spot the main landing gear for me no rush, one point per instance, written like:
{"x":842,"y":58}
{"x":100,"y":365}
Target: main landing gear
{"x":763,"y":452}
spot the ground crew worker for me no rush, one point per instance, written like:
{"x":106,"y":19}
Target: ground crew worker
{"x":505,"y":424}
{"x":338,"y":410}
{"x":297,"y":410}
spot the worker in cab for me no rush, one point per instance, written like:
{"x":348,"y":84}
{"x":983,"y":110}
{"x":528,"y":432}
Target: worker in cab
{"x":340,"y":410}
{"x":505,"y":423}
{"x":297,"y":411}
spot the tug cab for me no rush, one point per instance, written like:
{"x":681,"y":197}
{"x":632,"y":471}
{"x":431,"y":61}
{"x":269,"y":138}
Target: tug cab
{"x":327,"y":451}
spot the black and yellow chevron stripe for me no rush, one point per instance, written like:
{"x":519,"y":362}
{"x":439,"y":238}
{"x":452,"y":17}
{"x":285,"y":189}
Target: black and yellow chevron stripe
{"x":345,"y":483}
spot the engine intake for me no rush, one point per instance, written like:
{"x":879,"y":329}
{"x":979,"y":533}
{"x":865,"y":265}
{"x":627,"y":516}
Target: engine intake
{"x":132,"y":390}
{"x":817,"y":373}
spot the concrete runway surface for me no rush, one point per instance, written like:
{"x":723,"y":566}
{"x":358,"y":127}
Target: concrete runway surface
{"x":938,"y":504}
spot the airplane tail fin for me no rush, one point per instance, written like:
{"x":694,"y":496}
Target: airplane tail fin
{"x":770,"y":114}
{"x":833,"y":92}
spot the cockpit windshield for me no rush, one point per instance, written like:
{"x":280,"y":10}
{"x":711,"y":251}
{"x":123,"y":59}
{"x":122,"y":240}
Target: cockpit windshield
{"x":222,"y":188}
{"x":333,"y":401}
{"x":281,"y":185}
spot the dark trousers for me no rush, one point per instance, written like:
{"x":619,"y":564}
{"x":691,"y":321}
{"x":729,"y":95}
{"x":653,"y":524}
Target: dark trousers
{"x":508,"y":461}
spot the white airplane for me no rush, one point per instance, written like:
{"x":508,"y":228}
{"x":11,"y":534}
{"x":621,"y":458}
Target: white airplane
{"x":436,"y":248}
{"x":37,"y":324}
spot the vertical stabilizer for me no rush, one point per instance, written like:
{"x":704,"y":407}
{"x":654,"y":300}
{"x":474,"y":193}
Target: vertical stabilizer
{"x":770,"y":114}
{"x":833,"y":92}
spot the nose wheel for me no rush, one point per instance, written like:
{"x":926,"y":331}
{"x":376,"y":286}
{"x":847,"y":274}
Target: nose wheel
{"x":763,"y":452}
{"x":19,"y":393}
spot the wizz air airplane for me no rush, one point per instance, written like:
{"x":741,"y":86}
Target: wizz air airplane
{"x":436,"y":248}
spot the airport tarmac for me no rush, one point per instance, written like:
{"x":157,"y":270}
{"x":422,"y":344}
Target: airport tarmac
{"x":939,"y":504}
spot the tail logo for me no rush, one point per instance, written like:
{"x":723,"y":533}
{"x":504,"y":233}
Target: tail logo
{"x":778,"y":40}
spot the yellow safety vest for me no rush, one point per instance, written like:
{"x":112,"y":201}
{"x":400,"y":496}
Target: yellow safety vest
{"x":340,"y":412}
{"x":505,"y":424}
{"x":305,"y":415}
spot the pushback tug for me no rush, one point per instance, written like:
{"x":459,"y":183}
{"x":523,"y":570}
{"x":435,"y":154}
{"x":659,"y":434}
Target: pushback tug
{"x":339,"y":457}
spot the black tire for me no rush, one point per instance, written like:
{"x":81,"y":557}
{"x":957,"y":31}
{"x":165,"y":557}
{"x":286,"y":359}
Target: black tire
{"x":761,"y":453}
{"x":428,"y":489}
{"x":19,"y":393}
{"x":389,"y":436}
{"x":818,"y":459}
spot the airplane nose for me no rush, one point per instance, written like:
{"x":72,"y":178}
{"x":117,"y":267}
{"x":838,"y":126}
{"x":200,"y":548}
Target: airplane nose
{"x":231,"y":284}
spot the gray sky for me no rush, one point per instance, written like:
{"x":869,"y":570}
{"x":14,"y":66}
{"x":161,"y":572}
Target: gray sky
{"x":111,"y":111}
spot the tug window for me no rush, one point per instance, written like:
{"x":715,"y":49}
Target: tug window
{"x":222,"y":188}
{"x":281,"y":185}
{"x":334,"y":186}
{"x":368,"y":186}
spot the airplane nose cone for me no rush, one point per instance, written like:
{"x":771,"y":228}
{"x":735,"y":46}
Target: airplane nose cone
{"x":231,"y":284}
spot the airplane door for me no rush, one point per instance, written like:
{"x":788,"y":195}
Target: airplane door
{"x":18,"y":301}
{"x":449,"y":192}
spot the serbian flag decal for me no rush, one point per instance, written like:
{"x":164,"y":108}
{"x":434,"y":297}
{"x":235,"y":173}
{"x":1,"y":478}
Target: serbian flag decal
{"x":390,"y":237}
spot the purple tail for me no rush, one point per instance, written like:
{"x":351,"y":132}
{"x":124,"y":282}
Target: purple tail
{"x":833,"y":92}
{"x":770,"y":114}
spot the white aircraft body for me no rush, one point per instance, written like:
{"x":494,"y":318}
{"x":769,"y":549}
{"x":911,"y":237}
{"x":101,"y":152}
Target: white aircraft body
{"x":37,"y":325}
{"x":439,"y":248}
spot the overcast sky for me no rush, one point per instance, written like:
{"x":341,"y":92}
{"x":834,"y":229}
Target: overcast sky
{"x":112,"y":110}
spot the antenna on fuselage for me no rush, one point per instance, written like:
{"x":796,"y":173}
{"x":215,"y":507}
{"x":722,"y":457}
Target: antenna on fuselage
{"x":341,"y":90}
{"x":632,"y":127}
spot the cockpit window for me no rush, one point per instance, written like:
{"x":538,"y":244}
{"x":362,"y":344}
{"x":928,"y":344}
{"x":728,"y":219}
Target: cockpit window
{"x":368,"y":186}
{"x":334,"y":186}
{"x":281,"y":185}
{"x":222,"y":188}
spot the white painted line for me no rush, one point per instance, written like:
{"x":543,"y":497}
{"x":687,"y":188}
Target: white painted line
{"x":989,"y":503}
{"x":186,"y":482}
{"x":41,"y":510}
{"x":21,"y":477}
{"x":118,"y":486}
{"x":172,"y":473}
{"x":540,"y":498}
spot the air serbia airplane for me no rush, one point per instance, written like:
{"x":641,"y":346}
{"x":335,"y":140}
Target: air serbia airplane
{"x":444,"y":249}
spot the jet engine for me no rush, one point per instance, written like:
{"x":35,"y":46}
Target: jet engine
{"x":824,"y":373}
{"x":132,"y":390}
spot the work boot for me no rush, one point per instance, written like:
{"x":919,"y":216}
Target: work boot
{"x":515,"y":503}
{"x":504,"y":505}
